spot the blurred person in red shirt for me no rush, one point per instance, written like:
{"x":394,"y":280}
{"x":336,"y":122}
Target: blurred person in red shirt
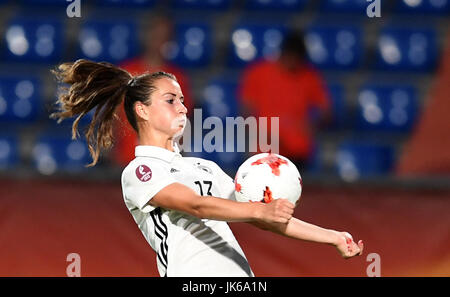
{"x":158,"y":34}
{"x":291,"y":89}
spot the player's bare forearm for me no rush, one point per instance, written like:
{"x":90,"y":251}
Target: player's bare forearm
{"x":182,"y":198}
{"x":301,"y":230}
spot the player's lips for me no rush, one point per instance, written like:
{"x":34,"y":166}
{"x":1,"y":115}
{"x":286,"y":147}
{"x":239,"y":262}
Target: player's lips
{"x":179,"y":122}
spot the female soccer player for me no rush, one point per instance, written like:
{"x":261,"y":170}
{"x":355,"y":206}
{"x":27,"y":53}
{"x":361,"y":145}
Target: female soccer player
{"x":180,"y":204}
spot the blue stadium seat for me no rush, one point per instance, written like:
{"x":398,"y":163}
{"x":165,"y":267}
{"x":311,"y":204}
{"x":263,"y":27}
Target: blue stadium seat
{"x":227,"y":161}
{"x":127,"y":3}
{"x":355,"y":160}
{"x":218,"y":5}
{"x":250,"y":42}
{"x":9,"y":152}
{"x":344,"y":6}
{"x":192,"y":45}
{"x":338,"y":105}
{"x":45,"y":2}
{"x":315,"y":163}
{"x":220,"y":99}
{"x":270,"y":5}
{"x":338,"y":47}
{"x":407,"y":49}
{"x":390,"y":108}
{"x":52,"y":154}
{"x":29,"y":39}
{"x":108,"y":40}
{"x":432,"y":7}
{"x":20,"y":99}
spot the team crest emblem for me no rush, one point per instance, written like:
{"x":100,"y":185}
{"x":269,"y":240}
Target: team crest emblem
{"x":143,"y":173}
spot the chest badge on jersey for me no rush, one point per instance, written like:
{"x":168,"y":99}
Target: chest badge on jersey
{"x":203,"y":167}
{"x":143,"y":173}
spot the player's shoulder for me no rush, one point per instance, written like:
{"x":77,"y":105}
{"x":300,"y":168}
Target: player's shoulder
{"x":143,"y":164}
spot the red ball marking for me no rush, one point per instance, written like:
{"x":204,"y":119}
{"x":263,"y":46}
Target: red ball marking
{"x":237,"y":186}
{"x":273,"y":161}
{"x":267,"y":195}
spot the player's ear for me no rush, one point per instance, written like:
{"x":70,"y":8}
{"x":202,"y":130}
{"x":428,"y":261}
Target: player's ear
{"x":141,"y":110}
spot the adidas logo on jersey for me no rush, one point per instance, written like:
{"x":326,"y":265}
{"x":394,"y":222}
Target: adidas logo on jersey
{"x":173,"y":170}
{"x":204,"y":168}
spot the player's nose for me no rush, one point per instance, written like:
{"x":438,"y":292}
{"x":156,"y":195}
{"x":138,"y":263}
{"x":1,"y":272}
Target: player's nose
{"x":181,"y":108}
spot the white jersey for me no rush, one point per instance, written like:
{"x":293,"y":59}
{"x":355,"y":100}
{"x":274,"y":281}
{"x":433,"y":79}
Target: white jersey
{"x":184,"y":245}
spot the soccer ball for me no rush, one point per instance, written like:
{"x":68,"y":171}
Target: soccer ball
{"x":264,"y":177}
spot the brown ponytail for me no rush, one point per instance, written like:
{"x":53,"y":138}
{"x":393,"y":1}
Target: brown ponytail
{"x":100,"y":86}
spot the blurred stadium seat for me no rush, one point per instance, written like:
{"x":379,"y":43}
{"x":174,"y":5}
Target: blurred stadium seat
{"x":35,"y":31}
{"x":355,"y":160}
{"x":402,"y":48}
{"x":270,"y":5}
{"x":20,"y":100}
{"x":44,"y":2}
{"x":127,"y":3}
{"x":436,"y":7}
{"x":30,"y":39}
{"x":9,"y":151}
{"x":192,"y":45}
{"x":338,"y":106}
{"x":218,"y":5}
{"x":315,"y":165}
{"x":390,"y":108}
{"x":344,"y":6}
{"x":250,"y":41}
{"x":338,"y":47}
{"x":108,"y":40}
{"x":220,"y":99}
{"x":54,"y":153}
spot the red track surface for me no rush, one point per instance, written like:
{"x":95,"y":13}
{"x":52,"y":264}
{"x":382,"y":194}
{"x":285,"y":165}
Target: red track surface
{"x":42,"y":222}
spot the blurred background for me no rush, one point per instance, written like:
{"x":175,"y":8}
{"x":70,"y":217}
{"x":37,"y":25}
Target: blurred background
{"x":363,"y":105}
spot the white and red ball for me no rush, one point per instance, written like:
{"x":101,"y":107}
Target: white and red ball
{"x":264,"y":177}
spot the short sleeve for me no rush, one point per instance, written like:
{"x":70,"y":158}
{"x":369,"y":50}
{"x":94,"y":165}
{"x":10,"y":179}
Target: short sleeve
{"x":141,"y":181}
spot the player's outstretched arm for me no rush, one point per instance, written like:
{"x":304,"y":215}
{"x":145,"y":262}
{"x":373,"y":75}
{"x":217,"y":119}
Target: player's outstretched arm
{"x":179,"y":197}
{"x":301,"y":230}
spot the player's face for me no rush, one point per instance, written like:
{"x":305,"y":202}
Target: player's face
{"x":167,"y":111}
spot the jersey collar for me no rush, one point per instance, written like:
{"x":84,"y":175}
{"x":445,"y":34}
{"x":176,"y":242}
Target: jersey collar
{"x":156,"y":152}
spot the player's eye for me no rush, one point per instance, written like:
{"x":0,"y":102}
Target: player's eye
{"x":170,"y":101}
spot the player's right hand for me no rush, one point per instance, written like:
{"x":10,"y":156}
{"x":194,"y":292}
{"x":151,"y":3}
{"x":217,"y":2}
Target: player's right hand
{"x":347,"y":247}
{"x":277,"y":211}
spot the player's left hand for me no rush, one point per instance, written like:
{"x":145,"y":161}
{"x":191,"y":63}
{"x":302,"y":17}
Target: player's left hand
{"x":347,"y":247}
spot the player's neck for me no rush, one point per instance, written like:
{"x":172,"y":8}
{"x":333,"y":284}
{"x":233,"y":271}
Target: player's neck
{"x":155,"y":139}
